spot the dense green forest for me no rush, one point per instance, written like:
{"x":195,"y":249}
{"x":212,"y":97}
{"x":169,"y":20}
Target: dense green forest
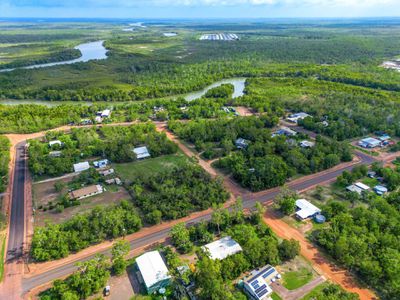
{"x":349,"y":110}
{"x":113,"y":142}
{"x":176,"y":192}
{"x":366,"y":240}
{"x":55,"y":241}
{"x":4,"y":161}
{"x":266,"y":161}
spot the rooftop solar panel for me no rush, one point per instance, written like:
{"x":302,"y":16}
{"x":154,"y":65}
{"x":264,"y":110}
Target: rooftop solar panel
{"x":262,"y":293}
{"x":261,"y":273}
{"x":269,"y":273}
{"x":264,"y":286}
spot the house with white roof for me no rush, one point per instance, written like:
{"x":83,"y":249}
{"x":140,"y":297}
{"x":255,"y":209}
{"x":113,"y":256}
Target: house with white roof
{"x":306,"y":209}
{"x":306,"y":144}
{"x":82,"y":166}
{"x":106,"y":113}
{"x":141,"y":152}
{"x":222,"y":248}
{"x":358,"y":188}
{"x":294,"y":118}
{"x":153,"y":271}
{"x":56,"y":142}
{"x":369,"y":143}
{"x":257,"y":284}
{"x":241,"y":143}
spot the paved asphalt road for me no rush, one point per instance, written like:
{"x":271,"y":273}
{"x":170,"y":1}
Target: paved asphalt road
{"x":248,"y":202}
{"x":17,"y":224}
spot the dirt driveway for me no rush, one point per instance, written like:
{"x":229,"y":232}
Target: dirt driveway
{"x":320,"y":263}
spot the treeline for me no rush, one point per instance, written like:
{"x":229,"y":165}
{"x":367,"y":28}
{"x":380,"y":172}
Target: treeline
{"x":366,"y":240}
{"x":266,"y":161}
{"x":4,"y":162}
{"x":90,"y":278}
{"x":176,"y":192}
{"x":113,"y":142}
{"x":59,"y":240}
{"x":57,"y":56}
{"x":349,"y":111}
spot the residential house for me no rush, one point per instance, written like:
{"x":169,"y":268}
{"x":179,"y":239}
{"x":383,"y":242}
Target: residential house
{"x":87,"y":191}
{"x":369,"y":143}
{"x":241,"y":143}
{"x":294,"y":118}
{"x":141,"y":152}
{"x":257,"y":284}
{"x":105,"y":113}
{"x":101,"y":163}
{"x":358,"y":188}
{"x":286,"y":131}
{"x":153,"y":270}
{"x":305,"y":209}
{"x":306,"y":144}
{"x":82,"y":166}
{"x":222,"y":248}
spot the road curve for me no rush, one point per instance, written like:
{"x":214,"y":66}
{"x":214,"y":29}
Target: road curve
{"x":249,"y":201}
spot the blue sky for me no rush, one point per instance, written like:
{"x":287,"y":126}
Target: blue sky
{"x":198,"y":8}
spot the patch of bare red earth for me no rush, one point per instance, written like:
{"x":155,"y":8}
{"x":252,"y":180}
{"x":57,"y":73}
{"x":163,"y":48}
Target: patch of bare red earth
{"x":321,"y":263}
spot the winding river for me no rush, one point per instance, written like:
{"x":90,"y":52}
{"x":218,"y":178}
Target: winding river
{"x":89,"y":51}
{"x":238,"y":83}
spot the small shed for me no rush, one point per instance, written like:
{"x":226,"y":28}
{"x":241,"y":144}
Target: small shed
{"x":82,"y":166}
{"x":141,"y":152}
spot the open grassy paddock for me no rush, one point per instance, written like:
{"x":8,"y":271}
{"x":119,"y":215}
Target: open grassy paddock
{"x":129,"y":171}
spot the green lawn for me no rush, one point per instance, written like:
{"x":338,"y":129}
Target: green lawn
{"x":2,"y":252}
{"x":315,"y":292}
{"x":295,"y":279}
{"x":275,"y":296}
{"x":128,"y":171}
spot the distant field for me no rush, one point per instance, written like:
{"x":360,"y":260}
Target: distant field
{"x":129,"y":171}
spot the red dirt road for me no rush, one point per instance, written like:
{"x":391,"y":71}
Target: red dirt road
{"x":321,"y":264}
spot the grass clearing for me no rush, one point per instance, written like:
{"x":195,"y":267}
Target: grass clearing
{"x":296,"y":273}
{"x":275,"y":296}
{"x":295,"y":279}
{"x":2,"y":253}
{"x":129,"y":171}
{"x":315,"y":292}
